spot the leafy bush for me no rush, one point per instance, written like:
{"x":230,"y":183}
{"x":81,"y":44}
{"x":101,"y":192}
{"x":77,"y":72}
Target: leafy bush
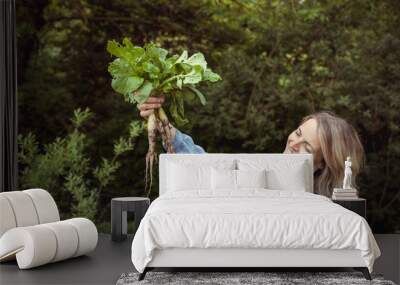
{"x":67,"y":172}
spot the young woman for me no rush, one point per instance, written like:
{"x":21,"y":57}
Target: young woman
{"x":327,"y":137}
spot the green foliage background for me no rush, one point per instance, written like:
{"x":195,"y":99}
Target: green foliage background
{"x":279,"y":60}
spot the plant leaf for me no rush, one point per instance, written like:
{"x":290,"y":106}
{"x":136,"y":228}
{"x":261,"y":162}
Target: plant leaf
{"x":176,"y":109}
{"x":128,"y":52}
{"x":81,"y":116}
{"x":150,"y":68}
{"x":194,"y":76}
{"x":115,"y":49}
{"x":211,"y":76}
{"x":179,"y":83}
{"x":170,"y":62}
{"x":180,"y":103}
{"x":199,"y":94}
{"x":127,"y":43}
{"x":197,"y":59}
{"x":122,"y":145}
{"x":183,"y":57}
{"x":135,"y":128}
{"x":120,"y":67}
{"x":126,"y":85}
{"x":156,"y":52}
{"x":143,"y":92}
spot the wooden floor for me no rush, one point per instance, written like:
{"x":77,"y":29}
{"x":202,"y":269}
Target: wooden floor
{"x":111,"y":259}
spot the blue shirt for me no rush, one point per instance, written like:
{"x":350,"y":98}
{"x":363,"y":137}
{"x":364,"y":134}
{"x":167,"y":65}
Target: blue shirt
{"x":183,"y":143}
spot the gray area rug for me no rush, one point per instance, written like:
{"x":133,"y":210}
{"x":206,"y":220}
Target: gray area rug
{"x":229,"y":278}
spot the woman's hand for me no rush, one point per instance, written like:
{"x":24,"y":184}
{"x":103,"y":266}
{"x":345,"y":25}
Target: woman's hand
{"x":147,"y":107}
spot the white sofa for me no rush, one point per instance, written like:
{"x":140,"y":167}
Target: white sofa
{"x":31,"y":231}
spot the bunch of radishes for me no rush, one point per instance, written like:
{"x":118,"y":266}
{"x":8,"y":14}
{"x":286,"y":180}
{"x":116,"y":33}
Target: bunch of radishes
{"x":138,"y":72}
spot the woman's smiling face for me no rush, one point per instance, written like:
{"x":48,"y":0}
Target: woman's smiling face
{"x":305,"y":140}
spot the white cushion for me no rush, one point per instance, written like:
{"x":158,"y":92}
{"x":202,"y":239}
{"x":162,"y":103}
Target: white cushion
{"x":45,"y":205}
{"x":67,"y":240}
{"x":251,"y":178}
{"x":23,"y":208}
{"x":293,"y":180}
{"x":230,"y":180}
{"x":32,"y":246}
{"x":40,"y":244}
{"x":285,"y":174}
{"x":186,"y":178}
{"x":223,"y":179}
{"x":26,"y":208}
{"x":196,"y":175}
{"x":7,"y":218}
{"x":87,"y":233}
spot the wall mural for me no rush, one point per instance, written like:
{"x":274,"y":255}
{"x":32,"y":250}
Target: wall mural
{"x":279,"y":61}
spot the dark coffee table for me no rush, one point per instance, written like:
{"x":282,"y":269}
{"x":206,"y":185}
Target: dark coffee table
{"x":119,"y":209}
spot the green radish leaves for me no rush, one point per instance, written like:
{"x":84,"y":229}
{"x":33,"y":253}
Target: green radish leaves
{"x":144,"y":92}
{"x":211,"y":76}
{"x":176,"y":108}
{"x":197,"y":59}
{"x":198,"y":94}
{"x":194,"y":76}
{"x":125,"y":84}
{"x":126,"y":51}
{"x":150,"y":70}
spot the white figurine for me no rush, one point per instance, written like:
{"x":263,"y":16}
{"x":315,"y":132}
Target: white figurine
{"x":347,"y":174}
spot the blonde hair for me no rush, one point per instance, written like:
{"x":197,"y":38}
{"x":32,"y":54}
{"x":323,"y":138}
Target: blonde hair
{"x":338,"y":139}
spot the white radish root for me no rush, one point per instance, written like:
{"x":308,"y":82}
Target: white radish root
{"x":165,"y":129}
{"x":158,"y":121}
{"x":151,"y":155}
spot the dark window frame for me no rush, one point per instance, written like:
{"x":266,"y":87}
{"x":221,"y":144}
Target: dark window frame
{"x":8,"y":97}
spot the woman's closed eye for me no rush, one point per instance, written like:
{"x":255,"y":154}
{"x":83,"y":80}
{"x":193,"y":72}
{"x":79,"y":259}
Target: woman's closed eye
{"x":308,"y":149}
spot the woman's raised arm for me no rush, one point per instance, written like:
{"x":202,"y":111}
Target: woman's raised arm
{"x":181,"y":142}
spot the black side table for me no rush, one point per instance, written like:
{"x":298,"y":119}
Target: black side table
{"x":357,"y":205}
{"x":119,"y":209}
